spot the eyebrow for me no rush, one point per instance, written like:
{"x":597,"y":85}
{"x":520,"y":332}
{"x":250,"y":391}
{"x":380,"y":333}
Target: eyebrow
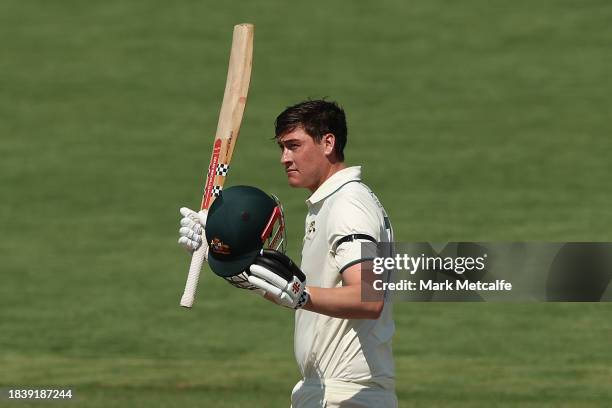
{"x":281,"y":142}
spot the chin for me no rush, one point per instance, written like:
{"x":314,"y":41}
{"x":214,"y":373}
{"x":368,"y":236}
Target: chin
{"x":295,"y":182}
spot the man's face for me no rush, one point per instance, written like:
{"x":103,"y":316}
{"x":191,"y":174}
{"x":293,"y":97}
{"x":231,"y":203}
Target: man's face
{"x":304,"y":159}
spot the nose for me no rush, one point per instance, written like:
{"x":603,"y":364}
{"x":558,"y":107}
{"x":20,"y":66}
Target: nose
{"x":285,"y":158}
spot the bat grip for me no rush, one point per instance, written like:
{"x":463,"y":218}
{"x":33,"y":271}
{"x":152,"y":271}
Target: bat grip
{"x":197,"y":261}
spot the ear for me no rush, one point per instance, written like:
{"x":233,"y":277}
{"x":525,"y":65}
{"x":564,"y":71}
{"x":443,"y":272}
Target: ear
{"x":328,"y":142}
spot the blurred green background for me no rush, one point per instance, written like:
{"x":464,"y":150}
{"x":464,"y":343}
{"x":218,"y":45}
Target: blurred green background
{"x":474,"y":120}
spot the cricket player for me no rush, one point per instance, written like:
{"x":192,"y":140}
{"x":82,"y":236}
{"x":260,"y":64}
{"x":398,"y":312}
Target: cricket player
{"x":342,"y":343}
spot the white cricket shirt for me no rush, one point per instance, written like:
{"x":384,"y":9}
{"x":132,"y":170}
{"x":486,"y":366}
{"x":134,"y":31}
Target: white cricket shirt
{"x":329,"y":348}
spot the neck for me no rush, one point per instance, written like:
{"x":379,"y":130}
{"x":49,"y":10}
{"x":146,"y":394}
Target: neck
{"x":331,"y":170}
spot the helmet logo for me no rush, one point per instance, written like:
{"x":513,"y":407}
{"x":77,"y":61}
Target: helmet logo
{"x":218,"y":247}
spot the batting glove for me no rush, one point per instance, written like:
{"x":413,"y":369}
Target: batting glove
{"x":241,"y":281}
{"x":192,"y":229}
{"x":277,"y":275}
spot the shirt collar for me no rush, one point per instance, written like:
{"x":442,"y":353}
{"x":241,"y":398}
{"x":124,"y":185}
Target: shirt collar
{"x":332,"y":184}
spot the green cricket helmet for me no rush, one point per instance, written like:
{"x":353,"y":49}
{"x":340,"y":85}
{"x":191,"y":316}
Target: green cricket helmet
{"x":242,"y":221}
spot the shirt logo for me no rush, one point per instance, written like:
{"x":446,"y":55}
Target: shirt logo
{"x":311,"y":228}
{"x":296,"y":288}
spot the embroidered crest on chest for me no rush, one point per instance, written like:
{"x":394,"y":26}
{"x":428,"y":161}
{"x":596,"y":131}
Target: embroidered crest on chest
{"x":311,"y":228}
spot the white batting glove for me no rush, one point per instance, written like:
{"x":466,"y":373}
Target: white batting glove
{"x":277,"y":275}
{"x":192,"y":229}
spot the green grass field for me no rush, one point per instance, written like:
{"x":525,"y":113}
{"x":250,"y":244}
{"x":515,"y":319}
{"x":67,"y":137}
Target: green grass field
{"x":475,"y":120}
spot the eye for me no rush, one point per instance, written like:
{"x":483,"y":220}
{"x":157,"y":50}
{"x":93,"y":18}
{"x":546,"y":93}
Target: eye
{"x":290,"y":145}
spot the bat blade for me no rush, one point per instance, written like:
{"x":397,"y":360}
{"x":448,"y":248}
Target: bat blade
{"x":228,"y":128}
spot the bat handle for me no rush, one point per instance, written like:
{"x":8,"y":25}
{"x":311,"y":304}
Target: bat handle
{"x":197,"y":261}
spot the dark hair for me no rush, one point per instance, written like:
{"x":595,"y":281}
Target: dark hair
{"x":317,"y":118}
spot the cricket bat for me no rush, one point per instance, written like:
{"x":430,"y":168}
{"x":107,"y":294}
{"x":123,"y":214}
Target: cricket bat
{"x":230,"y":118}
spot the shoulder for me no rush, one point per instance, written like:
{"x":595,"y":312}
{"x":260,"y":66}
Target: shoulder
{"x":354,"y":209}
{"x":355,"y":195}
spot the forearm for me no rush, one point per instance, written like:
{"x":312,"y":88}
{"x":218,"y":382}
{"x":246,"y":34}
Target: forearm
{"x":343,"y":302}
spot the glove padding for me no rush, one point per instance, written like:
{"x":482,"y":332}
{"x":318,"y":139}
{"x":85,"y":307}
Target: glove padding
{"x":277,"y":275}
{"x":241,"y":281}
{"x":192,"y":229}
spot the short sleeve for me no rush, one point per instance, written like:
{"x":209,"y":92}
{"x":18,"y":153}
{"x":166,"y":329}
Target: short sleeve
{"x":354,"y":219}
